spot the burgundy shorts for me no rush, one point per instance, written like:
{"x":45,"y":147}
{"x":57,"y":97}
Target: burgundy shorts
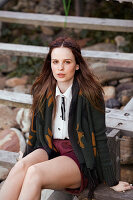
{"x":64,"y":148}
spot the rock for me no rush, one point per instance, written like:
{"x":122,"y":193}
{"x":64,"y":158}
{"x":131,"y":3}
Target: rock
{"x":103,"y":74}
{"x":47,"y":30}
{"x":120,"y":41}
{"x":124,"y":92}
{"x":124,"y":96}
{"x":9,"y":141}
{"x":2,"y":82}
{"x":112,"y":103}
{"x":12,"y":140}
{"x":126,"y":80}
{"x":7,"y":117}
{"x":124,"y":100}
{"x":0,"y":29}
{"x":109,"y":92}
{"x":102,"y":47}
{"x":127,"y":173}
{"x":23,"y":118}
{"x":126,"y":150}
{"x":83,"y":42}
{"x":3,"y":172}
{"x":12,"y":82}
{"x":113,"y":82}
{"x":124,"y":86}
{"x":21,"y":5}
{"x":77,"y":31}
{"x":22,"y":89}
{"x":8,"y":4}
{"x":7,"y":63}
{"x":120,"y":65}
{"x":19,"y":89}
{"x":22,"y":142}
{"x":50,"y":7}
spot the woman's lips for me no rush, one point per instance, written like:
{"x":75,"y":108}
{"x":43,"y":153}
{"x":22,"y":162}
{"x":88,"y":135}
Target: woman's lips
{"x":61,"y":75}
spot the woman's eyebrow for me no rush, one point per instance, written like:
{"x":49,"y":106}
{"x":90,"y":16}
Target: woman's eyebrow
{"x":64,"y":59}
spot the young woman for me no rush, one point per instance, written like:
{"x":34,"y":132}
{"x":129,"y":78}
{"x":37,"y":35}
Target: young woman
{"x":67,"y":146}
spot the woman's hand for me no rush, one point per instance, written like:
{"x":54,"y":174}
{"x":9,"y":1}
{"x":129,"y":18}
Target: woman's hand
{"x":122,"y":186}
{"x":20,"y":155}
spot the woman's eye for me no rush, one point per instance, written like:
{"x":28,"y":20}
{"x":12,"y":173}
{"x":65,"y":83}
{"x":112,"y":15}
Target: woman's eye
{"x":68,"y":62}
{"x":55,"y":61}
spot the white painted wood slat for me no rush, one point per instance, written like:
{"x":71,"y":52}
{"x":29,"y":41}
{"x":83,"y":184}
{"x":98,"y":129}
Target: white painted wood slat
{"x":72,"y":21}
{"x":119,"y":119}
{"x":8,"y":157}
{"x":39,"y":51}
{"x":15,"y":99}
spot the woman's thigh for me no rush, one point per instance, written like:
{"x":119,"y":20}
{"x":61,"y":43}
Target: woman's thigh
{"x":58,"y":173}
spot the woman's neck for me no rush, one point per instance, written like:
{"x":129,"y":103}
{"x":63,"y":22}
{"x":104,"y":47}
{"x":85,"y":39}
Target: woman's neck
{"x":63,"y":86}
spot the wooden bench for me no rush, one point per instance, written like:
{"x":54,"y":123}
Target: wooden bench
{"x":103,"y":192}
{"x":72,"y":21}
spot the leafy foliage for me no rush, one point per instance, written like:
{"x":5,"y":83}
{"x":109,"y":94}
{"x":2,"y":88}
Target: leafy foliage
{"x":113,"y":9}
{"x":28,"y":66}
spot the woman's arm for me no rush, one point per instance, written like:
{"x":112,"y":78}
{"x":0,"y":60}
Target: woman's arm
{"x":99,"y":129}
{"x":98,"y":119}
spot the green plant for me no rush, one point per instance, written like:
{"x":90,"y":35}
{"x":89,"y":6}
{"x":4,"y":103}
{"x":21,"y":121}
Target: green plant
{"x":27,"y":66}
{"x":66,"y":9}
{"x":4,"y":66}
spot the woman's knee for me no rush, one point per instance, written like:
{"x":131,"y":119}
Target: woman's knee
{"x":33,"y":175}
{"x":20,"y":166}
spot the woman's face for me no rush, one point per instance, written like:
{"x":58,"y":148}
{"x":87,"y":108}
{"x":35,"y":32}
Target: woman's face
{"x":63,"y":65}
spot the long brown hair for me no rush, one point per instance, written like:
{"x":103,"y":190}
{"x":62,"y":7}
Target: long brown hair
{"x":88,"y":82}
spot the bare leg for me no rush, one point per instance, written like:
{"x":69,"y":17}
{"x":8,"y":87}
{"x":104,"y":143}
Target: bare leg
{"x":12,"y":186}
{"x":58,"y":173}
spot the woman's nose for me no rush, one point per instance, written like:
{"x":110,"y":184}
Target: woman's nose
{"x":60,"y":66}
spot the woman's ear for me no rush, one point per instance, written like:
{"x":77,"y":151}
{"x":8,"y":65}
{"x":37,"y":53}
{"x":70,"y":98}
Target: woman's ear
{"x":77,"y":67}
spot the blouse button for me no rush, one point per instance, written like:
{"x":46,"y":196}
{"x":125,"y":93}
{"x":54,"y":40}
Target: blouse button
{"x":59,"y":129}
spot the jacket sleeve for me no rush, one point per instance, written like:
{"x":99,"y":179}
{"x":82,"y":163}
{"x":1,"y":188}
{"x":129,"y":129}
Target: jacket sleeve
{"x":99,"y":127}
{"x":32,"y":137}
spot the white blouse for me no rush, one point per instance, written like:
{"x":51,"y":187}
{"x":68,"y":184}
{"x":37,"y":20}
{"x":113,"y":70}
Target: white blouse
{"x":59,"y":126}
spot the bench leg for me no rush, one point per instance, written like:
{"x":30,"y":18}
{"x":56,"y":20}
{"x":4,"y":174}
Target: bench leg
{"x":56,"y":195}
